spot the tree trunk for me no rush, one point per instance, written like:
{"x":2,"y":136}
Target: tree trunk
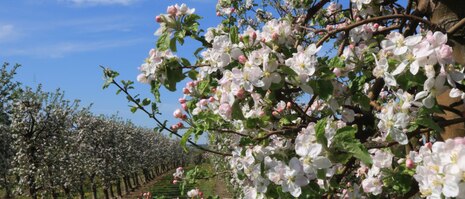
{"x":105,"y":192}
{"x":136,"y":180}
{"x":7,"y":194}
{"x":127,"y":184}
{"x":32,"y":187}
{"x":112,"y":193}
{"x":118,"y":187}
{"x":81,"y":191}
{"x":94,"y":187}
{"x":446,"y":14}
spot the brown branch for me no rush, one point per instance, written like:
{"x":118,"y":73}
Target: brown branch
{"x":294,"y":129}
{"x":374,"y":19}
{"x":456,"y":27}
{"x":230,"y":131}
{"x":313,"y":10}
{"x":160,"y":124}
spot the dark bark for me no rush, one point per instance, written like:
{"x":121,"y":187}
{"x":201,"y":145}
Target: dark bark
{"x":105,"y":192}
{"x":118,"y":187}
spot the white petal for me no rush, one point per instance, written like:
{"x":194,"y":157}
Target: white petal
{"x":294,"y":164}
{"x":400,"y":68}
{"x":399,"y":136}
{"x":295,"y":190}
{"x":301,"y":180}
{"x":322,"y":162}
{"x":421,"y":95}
{"x":400,"y":51}
{"x":450,"y":189}
{"x":413,"y":40}
{"x":390,"y":81}
{"x":454,"y":92}
{"x":414,"y":67}
{"x":428,"y":101}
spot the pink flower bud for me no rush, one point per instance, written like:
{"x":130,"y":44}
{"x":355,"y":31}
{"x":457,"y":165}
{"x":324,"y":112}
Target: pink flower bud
{"x":274,"y":36}
{"x":185,"y":91}
{"x":184,"y":106}
{"x":211,"y":99}
{"x":182,"y":100}
{"x":177,"y":113}
{"x":351,"y":46}
{"x":240,"y":93}
{"x":213,"y":89}
{"x":445,"y":52}
{"x":218,"y":13}
{"x":254,"y":35}
{"x":288,"y":105}
{"x":158,"y":19}
{"x":175,"y":181}
{"x":337,"y":72}
{"x":203,"y":102}
{"x":190,"y":84}
{"x":180,"y":125}
{"x":183,"y":117}
{"x":172,"y":10}
{"x":429,"y":145}
{"x":174,"y":127}
{"x":275,"y":113}
{"x":376,"y":25}
{"x":409,"y":163}
{"x":242,"y":59}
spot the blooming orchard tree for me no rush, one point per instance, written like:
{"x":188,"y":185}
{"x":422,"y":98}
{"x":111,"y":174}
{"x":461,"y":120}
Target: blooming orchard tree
{"x":319,"y":98}
{"x":54,"y":148}
{"x":7,"y":90}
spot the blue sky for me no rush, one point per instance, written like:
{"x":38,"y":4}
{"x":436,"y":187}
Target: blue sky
{"x":61,"y":43}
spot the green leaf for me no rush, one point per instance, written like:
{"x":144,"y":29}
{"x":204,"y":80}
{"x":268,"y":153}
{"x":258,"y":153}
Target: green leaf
{"x":233,"y":34}
{"x":146,"y":102}
{"x":193,"y":74}
{"x":237,"y":111}
{"x":345,"y":142}
{"x":173,"y":44}
{"x":324,"y":89}
{"x":359,"y":151}
{"x":185,"y":62}
{"x":174,"y":74}
{"x":163,"y":42}
{"x":287,"y":70}
{"x":134,"y":109}
{"x":429,"y":123}
{"x":320,"y":132}
{"x":186,"y":137}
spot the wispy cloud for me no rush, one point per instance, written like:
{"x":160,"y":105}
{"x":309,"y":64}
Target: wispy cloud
{"x":205,"y":1}
{"x":62,"y":49}
{"x":7,"y":33}
{"x":101,"y":2}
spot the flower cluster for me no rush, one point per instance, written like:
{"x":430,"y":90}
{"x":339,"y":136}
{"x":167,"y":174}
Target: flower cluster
{"x":155,"y":66}
{"x":440,"y":169}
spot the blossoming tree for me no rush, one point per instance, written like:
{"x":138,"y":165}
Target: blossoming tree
{"x":314,"y":98}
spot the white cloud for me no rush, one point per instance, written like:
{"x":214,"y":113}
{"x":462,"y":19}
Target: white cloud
{"x":7,"y":32}
{"x":102,"y":2}
{"x":58,"y":50}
